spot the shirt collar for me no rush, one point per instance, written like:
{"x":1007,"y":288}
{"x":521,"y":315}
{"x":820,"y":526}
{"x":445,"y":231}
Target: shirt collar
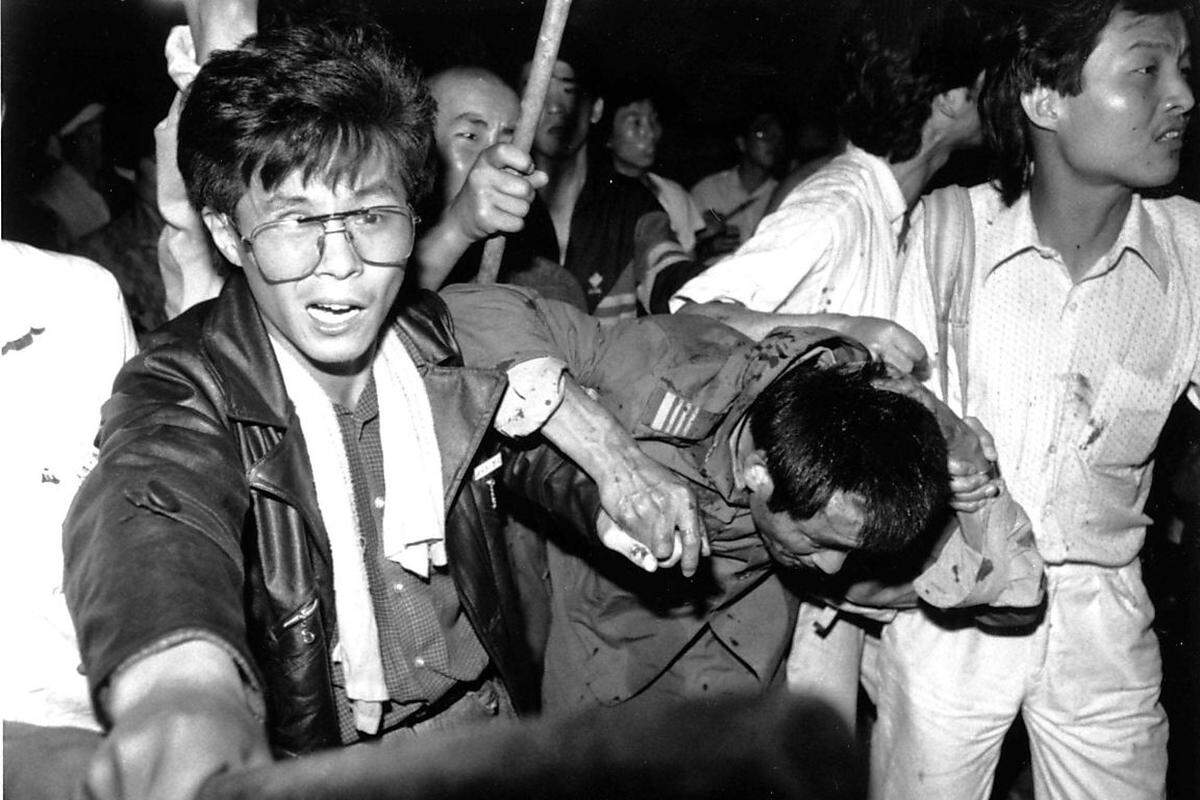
{"x":1015,"y":227}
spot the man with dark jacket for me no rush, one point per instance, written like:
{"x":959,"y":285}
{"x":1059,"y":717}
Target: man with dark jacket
{"x":289,"y":540}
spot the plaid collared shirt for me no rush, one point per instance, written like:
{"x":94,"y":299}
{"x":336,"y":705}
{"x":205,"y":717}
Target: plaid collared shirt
{"x":427,"y":642}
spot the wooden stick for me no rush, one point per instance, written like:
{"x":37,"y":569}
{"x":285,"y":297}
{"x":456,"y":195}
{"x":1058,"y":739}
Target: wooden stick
{"x":554,"y":19}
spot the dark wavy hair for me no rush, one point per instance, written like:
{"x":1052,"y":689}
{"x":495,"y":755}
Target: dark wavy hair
{"x":896,"y":59}
{"x":830,"y":429}
{"x":1047,"y":44}
{"x":311,"y":98}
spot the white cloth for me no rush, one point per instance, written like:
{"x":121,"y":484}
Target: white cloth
{"x":1074,"y":380}
{"x":1086,"y":683}
{"x":681,"y":209}
{"x":414,"y":521}
{"x":723,"y":192}
{"x":829,"y":247}
{"x":65,"y":334}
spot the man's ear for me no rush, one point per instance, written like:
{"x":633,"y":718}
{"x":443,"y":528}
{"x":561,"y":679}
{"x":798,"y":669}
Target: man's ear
{"x":846,"y":514}
{"x":740,"y":142}
{"x":1042,"y":106}
{"x":755,"y":474}
{"x":224,"y":236}
{"x":597,"y":110}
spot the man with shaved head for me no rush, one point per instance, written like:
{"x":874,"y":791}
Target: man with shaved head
{"x":485,"y":187}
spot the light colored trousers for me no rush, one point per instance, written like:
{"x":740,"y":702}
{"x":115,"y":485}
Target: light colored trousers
{"x":1086,"y":682}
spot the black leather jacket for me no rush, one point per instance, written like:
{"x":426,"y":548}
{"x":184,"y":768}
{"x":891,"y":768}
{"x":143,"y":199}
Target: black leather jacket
{"x":201,"y":520}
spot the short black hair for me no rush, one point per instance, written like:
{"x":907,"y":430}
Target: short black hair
{"x":829,"y":429}
{"x":1047,"y":44}
{"x":312,"y":98}
{"x":624,"y":93}
{"x":896,"y":58}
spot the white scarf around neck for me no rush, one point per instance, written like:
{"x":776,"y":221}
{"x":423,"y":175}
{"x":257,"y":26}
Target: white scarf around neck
{"x":414,"y":517}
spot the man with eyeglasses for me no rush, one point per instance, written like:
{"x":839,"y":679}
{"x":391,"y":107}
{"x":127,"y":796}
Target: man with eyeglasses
{"x":290,"y":539}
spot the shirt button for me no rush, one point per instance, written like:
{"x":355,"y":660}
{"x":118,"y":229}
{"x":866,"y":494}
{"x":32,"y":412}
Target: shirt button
{"x":398,"y":586}
{"x":1053,"y":449}
{"x":419,"y":661}
{"x":378,"y":502}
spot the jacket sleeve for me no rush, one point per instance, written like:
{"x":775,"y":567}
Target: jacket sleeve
{"x":152,"y":540}
{"x":544,"y":476}
{"x":497,"y":326}
{"x":1008,"y":571}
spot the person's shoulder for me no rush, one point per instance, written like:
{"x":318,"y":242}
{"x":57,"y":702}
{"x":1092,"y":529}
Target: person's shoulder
{"x":712,"y":181}
{"x":1178,"y":215}
{"x":1175,"y":226}
{"x":60,"y":284}
{"x":666,"y":184}
{"x":986,"y":201}
{"x":56,"y":269}
{"x":840,"y":190}
{"x":423,"y":317}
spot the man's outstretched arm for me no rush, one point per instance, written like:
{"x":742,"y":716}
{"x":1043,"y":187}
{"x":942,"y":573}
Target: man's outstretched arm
{"x":650,"y":514}
{"x":179,"y":717}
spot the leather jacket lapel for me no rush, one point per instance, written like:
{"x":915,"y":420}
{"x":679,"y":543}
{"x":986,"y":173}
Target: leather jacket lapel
{"x":461,"y":424}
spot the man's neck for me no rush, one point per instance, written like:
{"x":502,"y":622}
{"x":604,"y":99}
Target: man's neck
{"x":915,"y":174}
{"x":1079,"y":220}
{"x":343,"y":383}
{"x":752,"y":176}
{"x":567,"y":177}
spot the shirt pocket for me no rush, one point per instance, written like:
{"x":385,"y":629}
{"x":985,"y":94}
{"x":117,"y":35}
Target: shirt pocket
{"x":1128,"y":416}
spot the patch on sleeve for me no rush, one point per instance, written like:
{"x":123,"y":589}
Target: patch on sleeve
{"x":672,"y":415}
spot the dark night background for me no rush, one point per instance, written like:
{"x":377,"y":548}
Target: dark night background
{"x":712,"y":60}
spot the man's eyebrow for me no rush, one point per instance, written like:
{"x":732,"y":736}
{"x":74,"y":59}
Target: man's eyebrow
{"x":471,"y":116}
{"x":284,"y":202}
{"x":1159,"y":45}
{"x":374,"y":187}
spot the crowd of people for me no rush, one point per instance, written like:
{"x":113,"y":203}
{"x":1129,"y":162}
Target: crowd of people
{"x":815,"y":429}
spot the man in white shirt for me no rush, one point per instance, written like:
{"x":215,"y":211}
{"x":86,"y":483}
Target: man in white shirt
{"x":65,"y":333}
{"x":736,"y":198}
{"x":1084,"y":329}
{"x":832,"y":247}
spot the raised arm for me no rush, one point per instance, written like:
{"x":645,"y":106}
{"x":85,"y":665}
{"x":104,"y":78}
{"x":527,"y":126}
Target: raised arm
{"x":494,"y":198}
{"x":191,"y":269}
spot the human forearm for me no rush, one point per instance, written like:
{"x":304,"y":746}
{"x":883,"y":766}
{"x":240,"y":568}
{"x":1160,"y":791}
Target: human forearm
{"x":197,"y":663}
{"x":179,"y":717}
{"x":757,"y":324}
{"x":639,"y":495}
{"x":438,"y":250}
{"x":885,"y":339}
